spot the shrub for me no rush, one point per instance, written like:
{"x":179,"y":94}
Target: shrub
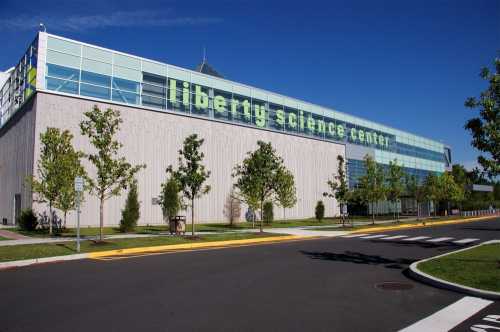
{"x":170,"y":201}
{"x":27,"y":221}
{"x":268,"y":214}
{"x":131,"y":212}
{"x":319,"y":212}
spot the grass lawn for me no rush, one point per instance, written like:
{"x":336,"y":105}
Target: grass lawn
{"x":212,"y":227}
{"x":11,"y":253}
{"x":477,"y":267}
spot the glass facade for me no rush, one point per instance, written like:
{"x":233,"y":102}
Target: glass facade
{"x":79,"y":69}
{"x":20,"y":84}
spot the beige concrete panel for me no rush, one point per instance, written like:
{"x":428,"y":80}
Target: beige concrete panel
{"x":154,"y":138}
{"x":16,"y":159}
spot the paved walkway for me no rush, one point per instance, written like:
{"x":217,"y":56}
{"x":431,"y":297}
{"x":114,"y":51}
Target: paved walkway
{"x":12,"y":235}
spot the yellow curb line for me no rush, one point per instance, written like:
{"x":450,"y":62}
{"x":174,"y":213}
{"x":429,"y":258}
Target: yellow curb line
{"x":185,"y":246}
{"x":427,"y":224}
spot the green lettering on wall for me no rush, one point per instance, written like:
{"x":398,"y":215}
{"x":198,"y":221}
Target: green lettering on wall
{"x":331,"y":129}
{"x":234,"y":107}
{"x":173,"y":91}
{"x":321,"y":127}
{"x":280,"y":117}
{"x":361,"y":135}
{"x":246,"y":110}
{"x":185,"y":93}
{"x":301,"y":120}
{"x":340,"y":131}
{"x":219,"y":104}
{"x":201,"y":98}
{"x":310,"y":123}
{"x":292,"y":120}
{"x":369,"y":138}
{"x":260,"y":115}
{"x":353,"y":134}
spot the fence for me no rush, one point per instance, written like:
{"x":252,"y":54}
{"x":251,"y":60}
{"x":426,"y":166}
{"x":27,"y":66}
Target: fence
{"x":474,"y":213}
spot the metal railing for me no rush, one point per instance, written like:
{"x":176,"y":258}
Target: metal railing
{"x":474,"y":213}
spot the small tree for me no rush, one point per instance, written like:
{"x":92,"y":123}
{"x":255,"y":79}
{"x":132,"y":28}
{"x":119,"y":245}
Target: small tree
{"x":371,"y":185}
{"x":319,"y":211}
{"x":395,"y":186}
{"x":286,"y":193}
{"x":191,"y":173}
{"x":27,"y":221}
{"x":449,"y":190}
{"x":170,"y":200}
{"x":257,"y":178}
{"x":131,"y":213}
{"x":58,"y":165}
{"x":268,"y":213}
{"x":232,"y":208}
{"x":339,"y":188}
{"x":114,"y":173}
{"x":431,"y":191}
{"x":485,"y":129}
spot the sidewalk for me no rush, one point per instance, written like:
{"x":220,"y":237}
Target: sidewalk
{"x":12,"y":235}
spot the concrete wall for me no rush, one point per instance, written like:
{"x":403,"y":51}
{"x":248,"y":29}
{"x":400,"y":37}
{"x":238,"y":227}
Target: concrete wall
{"x":16,"y":159}
{"x":154,"y":138}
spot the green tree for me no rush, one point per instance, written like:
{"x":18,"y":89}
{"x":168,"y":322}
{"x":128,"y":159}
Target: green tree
{"x":170,"y":200}
{"x":339,"y":188}
{"x":395,"y":186}
{"x":57,"y":167}
{"x":319,"y":211}
{"x":485,"y":129}
{"x":114,"y":173}
{"x":191,"y":173}
{"x":371,"y":185}
{"x":431,"y":191}
{"x":449,"y":190}
{"x":286,"y":193}
{"x":258,"y":176}
{"x":132,"y":211}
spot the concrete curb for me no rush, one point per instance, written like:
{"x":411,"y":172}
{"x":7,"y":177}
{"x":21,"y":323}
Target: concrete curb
{"x":415,"y":273}
{"x":154,"y":249}
{"x":27,"y":262}
{"x":427,"y":224}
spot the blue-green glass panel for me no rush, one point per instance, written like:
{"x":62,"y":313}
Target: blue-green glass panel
{"x":125,"y":97}
{"x":60,"y":85}
{"x":62,"y":72}
{"x":96,"y":79}
{"x":94,"y":91}
{"x":125,"y":85}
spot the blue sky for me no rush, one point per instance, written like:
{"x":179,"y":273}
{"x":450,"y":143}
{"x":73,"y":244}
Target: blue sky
{"x":407,"y":64}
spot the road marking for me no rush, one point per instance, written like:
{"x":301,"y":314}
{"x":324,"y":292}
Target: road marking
{"x":374,"y":236}
{"x":417,"y":238}
{"x":464,"y":241}
{"x":394,"y":237}
{"x":354,"y":235}
{"x":440,"y":239}
{"x":450,"y":316}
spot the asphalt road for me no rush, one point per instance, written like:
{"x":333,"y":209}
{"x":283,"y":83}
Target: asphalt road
{"x":314,"y":285}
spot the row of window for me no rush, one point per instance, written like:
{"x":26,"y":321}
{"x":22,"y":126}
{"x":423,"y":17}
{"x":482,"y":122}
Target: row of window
{"x":356,"y":169}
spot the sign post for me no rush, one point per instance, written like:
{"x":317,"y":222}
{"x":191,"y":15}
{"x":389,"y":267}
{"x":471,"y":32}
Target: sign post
{"x":79,"y":191}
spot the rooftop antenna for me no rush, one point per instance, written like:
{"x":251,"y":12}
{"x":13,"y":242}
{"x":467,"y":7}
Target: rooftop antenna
{"x":42,"y":27}
{"x":204,"y":54}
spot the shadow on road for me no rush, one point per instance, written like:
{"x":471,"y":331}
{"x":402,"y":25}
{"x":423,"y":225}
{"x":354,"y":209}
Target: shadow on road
{"x":359,"y":258}
{"x":481,"y":229}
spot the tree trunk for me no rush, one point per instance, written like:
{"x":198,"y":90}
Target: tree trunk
{"x":51,"y":218}
{"x":101,"y":219}
{"x":65,"y":213}
{"x":373,"y":213}
{"x":261,"y":215}
{"x":192,"y":217}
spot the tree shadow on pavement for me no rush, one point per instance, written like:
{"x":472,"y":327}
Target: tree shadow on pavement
{"x":360,"y":258}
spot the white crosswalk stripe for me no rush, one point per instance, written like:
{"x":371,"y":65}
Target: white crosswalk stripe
{"x":417,"y":238}
{"x":394,"y":237}
{"x":374,"y":236}
{"x":465,"y":241}
{"x":355,"y":235}
{"x":440,"y":239}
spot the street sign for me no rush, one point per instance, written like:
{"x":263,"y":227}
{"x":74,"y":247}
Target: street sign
{"x":79,"y":184}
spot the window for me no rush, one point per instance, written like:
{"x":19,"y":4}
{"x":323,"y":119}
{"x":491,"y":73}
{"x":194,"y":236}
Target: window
{"x":125,"y":85}
{"x":66,"y":86}
{"x":94,"y":91}
{"x":96,"y":79}
{"x":125,"y":97}
{"x":62,"y":72}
